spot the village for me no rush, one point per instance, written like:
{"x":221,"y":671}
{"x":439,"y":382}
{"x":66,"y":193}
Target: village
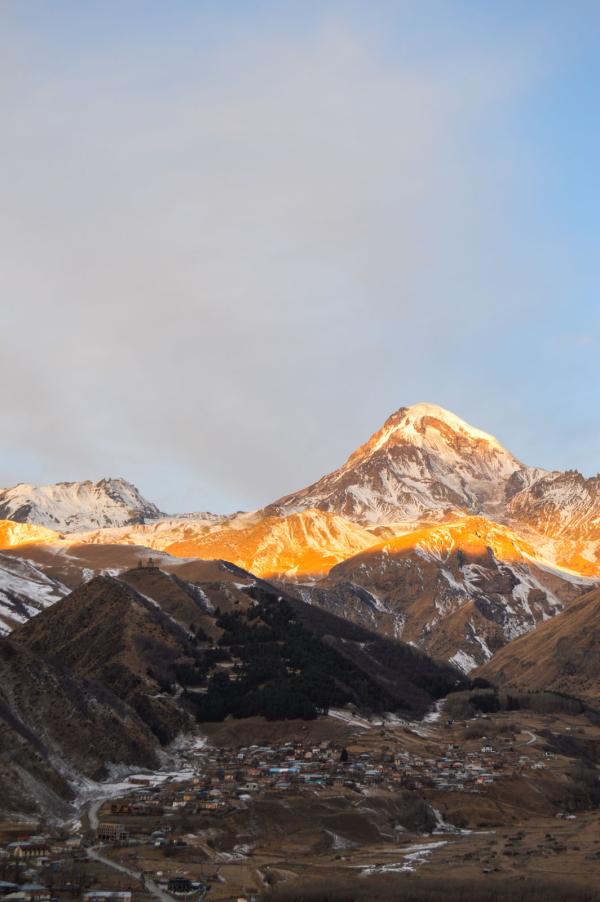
{"x":156,"y":837}
{"x":233,"y":776}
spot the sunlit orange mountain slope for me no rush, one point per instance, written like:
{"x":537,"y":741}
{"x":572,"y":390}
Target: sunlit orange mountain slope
{"x":308,"y":543}
{"x":14,"y":534}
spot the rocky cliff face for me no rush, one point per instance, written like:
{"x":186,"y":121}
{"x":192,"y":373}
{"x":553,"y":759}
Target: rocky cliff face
{"x":564,"y":510}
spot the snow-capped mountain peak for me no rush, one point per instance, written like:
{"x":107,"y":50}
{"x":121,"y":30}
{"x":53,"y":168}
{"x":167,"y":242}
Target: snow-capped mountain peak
{"x":424,"y":461}
{"x":438,"y":430}
{"x":75,"y":506}
{"x":418,"y":418}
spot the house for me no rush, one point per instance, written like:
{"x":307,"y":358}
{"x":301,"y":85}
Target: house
{"x":314,"y":779}
{"x":73,"y":842}
{"x":485,"y":778}
{"x":109,"y":832}
{"x":121,"y":807}
{"x":29,"y":850}
{"x":30,"y":892}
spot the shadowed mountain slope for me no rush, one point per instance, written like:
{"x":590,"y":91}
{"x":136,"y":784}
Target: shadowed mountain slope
{"x":562,"y":654}
{"x":120,"y":667}
{"x":57,"y":729}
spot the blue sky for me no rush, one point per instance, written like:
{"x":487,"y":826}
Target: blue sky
{"x":235,"y":236}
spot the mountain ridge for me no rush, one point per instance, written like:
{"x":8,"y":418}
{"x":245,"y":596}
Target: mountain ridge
{"x":74,"y":506}
{"x":425,"y":492}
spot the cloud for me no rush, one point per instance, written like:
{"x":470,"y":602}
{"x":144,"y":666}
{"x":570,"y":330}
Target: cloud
{"x":225,"y":258}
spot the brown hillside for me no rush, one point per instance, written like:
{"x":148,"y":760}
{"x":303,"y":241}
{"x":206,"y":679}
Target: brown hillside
{"x":110,"y":633}
{"x":562,"y":654}
{"x":55,"y":727}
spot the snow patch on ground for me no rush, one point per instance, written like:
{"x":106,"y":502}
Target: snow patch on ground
{"x":463,"y":661}
{"x":412,"y":857}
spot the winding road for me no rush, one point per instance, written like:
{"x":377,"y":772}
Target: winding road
{"x":149,"y":884}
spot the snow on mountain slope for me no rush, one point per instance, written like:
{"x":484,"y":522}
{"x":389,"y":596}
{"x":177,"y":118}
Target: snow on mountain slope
{"x":459,"y":590}
{"x":159,"y":534}
{"x":562,"y":655}
{"x":423,"y":462}
{"x":24,"y":591}
{"x":565,"y":508}
{"x":434,"y":531}
{"x":13,"y":534}
{"x":72,"y":563}
{"x":309,"y":542}
{"x":74,"y":506}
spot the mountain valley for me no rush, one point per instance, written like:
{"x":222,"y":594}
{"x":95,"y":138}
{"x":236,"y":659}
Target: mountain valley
{"x":162,"y":653}
{"x":394,"y":668}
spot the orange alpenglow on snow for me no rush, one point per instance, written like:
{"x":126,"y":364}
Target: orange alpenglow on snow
{"x":311,"y":542}
{"x":475,"y":537}
{"x":425,"y":480}
{"x":308,"y":543}
{"x":13,"y":534}
{"x":471,"y":535}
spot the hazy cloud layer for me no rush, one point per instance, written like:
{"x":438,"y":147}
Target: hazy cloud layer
{"x":229,"y":249}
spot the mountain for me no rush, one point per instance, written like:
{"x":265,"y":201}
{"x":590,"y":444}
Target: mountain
{"x":115,"y":670}
{"x":460,"y":590}
{"x":138,"y":634}
{"x":74,"y":506}
{"x":15,"y":535}
{"x":290,"y":660}
{"x":562,"y":654}
{"x":85,"y":685}
{"x":431,"y":531}
{"x":108,"y":632}
{"x":422,"y":463}
{"x":425,"y":465}
{"x":160,"y":534}
{"x":72,"y":563}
